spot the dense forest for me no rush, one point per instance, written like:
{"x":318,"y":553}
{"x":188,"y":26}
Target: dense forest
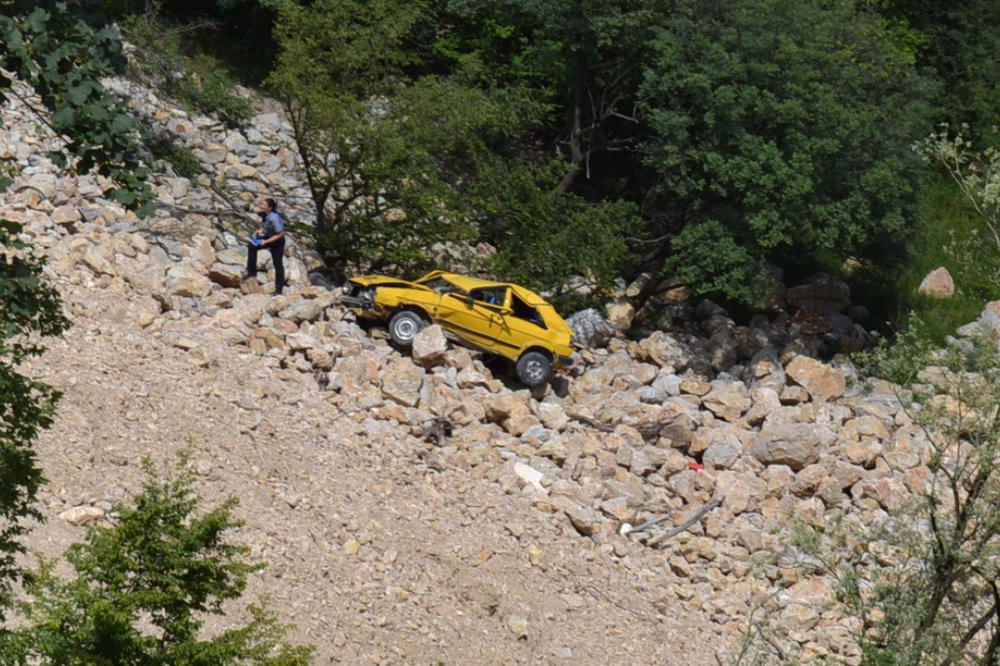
{"x":715,"y":145}
{"x":698,"y":140}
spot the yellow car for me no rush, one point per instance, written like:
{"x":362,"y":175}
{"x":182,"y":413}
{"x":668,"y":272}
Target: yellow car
{"x":498,"y":317}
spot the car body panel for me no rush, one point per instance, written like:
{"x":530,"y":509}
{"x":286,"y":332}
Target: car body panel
{"x":499,"y":317}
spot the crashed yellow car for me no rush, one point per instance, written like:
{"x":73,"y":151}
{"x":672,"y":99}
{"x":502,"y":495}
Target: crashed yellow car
{"x":498,"y":317}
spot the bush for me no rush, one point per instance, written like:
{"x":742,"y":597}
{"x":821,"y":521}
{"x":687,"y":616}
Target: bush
{"x":921,"y":581}
{"x":166,"y":149}
{"x":143,"y":587}
{"x":200,"y":81}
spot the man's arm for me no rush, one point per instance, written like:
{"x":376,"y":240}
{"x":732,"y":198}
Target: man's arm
{"x":277,"y":236}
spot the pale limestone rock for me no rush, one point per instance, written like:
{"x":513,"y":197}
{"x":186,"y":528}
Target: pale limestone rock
{"x":590,"y":328}
{"x":201,"y":251}
{"x":620,"y":315}
{"x":469,"y":378}
{"x":552,"y":415}
{"x":320,"y":358}
{"x":304,"y":309}
{"x":187,"y":280}
{"x":740,"y":492}
{"x":793,"y":395}
{"x":808,"y":480}
{"x":862,"y":452}
{"x":226,"y":275}
{"x":268,"y":339}
{"x":97,"y":261}
{"x":792,"y":444}
{"x":82,"y":515}
{"x":65,"y":216}
{"x":586,"y":521}
{"x":822,"y":381}
{"x":45,"y":183}
{"x":937,"y":284}
{"x":764,"y":401}
{"x":693,"y":385}
{"x":667,"y":352}
{"x":402,"y":383}
{"x":300,"y":341}
{"x":727,"y":400}
{"x":647,"y":459}
{"x":530,"y":475}
{"x":429,"y":346}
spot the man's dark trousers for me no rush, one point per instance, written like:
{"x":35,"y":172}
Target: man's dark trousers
{"x":277,"y":250}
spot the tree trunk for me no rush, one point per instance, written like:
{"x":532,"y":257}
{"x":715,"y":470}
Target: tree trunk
{"x":577,"y":155}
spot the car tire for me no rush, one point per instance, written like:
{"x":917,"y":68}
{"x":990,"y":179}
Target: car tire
{"x":533,"y":368}
{"x":404,"y":326}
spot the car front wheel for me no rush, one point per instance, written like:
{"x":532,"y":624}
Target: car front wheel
{"x":404,"y":326}
{"x":533,"y":368}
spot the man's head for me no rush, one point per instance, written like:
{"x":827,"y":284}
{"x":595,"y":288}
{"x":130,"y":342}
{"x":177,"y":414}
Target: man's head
{"x":269,"y":205}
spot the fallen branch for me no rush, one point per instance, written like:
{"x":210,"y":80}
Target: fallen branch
{"x":699,"y":514}
{"x":649,"y":430}
{"x":642,"y":527}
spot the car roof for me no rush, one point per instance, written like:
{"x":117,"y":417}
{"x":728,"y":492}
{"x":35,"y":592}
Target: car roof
{"x":466,"y":282}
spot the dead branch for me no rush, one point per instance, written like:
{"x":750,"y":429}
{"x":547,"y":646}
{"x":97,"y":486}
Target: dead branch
{"x":642,"y":527}
{"x":699,"y":514}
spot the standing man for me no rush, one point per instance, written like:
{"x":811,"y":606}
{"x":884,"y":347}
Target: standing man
{"x":272,"y":236}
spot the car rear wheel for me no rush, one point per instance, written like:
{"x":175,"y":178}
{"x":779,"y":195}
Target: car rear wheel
{"x":404,"y":326}
{"x":533,"y":368}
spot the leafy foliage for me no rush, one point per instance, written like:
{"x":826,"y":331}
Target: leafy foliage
{"x":957,"y":42}
{"x":143,"y":586}
{"x":402,"y":162}
{"x":197,"y":80}
{"x":976,"y":172}
{"x":786,"y":125}
{"x":29,"y":307}
{"x":922,"y":581}
{"x":63,"y":50}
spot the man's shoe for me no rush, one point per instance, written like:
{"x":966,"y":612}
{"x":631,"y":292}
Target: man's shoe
{"x":247,"y":276}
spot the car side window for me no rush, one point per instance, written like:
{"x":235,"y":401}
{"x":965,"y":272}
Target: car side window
{"x":490,"y":295}
{"x":524,"y":311}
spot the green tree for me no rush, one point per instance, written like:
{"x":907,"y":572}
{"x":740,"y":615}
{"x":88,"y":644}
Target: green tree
{"x":29,"y":308}
{"x":781,"y":132}
{"x":409,"y":147}
{"x":583,"y":58}
{"x":63,"y":50}
{"x":957,"y":42}
{"x":144,"y":586}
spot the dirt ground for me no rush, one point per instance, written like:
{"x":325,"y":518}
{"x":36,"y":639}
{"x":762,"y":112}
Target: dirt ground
{"x":373,"y":556}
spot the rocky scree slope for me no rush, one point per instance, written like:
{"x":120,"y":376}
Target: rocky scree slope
{"x":413,"y":507}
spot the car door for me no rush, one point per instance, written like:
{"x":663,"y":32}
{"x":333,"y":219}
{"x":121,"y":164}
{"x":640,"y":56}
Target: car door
{"x":522,"y":326}
{"x":475,"y":317}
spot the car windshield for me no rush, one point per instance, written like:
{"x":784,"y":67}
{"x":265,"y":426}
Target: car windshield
{"x":442,"y":286}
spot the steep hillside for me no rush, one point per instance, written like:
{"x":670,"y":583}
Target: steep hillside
{"x":433,"y":512}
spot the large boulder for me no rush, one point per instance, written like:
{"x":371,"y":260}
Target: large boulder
{"x":727,"y":400}
{"x":819,"y":379}
{"x":402,"y":383}
{"x":937,"y":284}
{"x":664,"y":350}
{"x":792,"y":444}
{"x":590,"y":328}
{"x":187,"y":280}
{"x":430,"y":346}
{"x":822,"y":292}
